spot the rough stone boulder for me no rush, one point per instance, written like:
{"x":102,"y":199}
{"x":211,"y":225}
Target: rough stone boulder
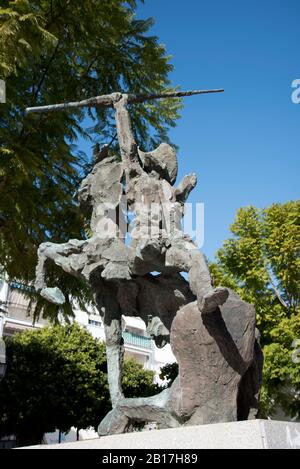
{"x":214,"y":352}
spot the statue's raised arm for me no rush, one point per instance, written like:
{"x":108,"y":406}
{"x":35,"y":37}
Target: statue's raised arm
{"x":119,"y":102}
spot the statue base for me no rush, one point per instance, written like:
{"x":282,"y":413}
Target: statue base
{"x":250,"y":434}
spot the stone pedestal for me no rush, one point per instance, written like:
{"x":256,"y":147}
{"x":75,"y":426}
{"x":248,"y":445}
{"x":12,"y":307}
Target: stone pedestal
{"x":251,"y":434}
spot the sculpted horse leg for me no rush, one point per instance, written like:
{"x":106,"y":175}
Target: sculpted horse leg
{"x":108,"y":306}
{"x":185,"y":256}
{"x":140,"y":409}
{"x":60,"y":255}
{"x":114,"y":355}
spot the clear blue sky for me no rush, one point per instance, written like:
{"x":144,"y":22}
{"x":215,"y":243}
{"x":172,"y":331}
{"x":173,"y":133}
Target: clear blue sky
{"x":243,"y":144}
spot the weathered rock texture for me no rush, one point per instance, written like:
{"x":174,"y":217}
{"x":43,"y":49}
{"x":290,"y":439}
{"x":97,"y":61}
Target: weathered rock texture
{"x":219,"y":353}
{"x":211,"y":330}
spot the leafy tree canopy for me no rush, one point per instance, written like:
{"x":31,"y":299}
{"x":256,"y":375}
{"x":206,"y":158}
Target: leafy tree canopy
{"x":51,"y":52}
{"x":169,"y":373}
{"x":137,"y":381}
{"x":262,"y":263}
{"x":56,"y":379}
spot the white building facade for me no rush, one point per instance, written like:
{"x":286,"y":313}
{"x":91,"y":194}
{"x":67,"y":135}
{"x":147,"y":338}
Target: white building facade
{"x":137,"y":344}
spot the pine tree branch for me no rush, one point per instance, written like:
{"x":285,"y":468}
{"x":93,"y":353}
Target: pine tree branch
{"x":113,"y":139}
{"x":59,"y":15}
{"x":277,"y":292}
{"x":40,"y":84}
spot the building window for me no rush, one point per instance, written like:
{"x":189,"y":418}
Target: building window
{"x":95,"y":323}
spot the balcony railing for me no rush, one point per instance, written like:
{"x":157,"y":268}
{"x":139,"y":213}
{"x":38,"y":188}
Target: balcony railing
{"x":137,"y":340}
{"x":22,"y":287}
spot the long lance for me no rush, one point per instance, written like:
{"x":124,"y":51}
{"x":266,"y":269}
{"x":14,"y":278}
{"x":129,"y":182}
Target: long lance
{"x":110,"y":99}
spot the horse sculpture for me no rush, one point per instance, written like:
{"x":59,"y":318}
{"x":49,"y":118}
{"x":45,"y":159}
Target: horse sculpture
{"x":211,"y":330}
